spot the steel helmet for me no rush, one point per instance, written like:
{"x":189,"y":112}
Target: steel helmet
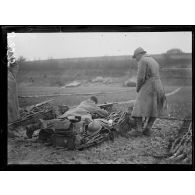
{"x":93,"y":127}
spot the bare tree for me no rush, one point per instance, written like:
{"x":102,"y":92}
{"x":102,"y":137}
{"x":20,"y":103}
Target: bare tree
{"x":21,"y":59}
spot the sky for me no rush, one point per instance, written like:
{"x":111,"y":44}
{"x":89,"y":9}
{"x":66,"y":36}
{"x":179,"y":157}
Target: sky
{"x":34,"y":46}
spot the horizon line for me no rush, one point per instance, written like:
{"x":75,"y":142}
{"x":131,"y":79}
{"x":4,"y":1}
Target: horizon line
{"x":50,"y":58}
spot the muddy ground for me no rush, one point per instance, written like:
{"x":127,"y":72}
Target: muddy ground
{"x":140,"y":150}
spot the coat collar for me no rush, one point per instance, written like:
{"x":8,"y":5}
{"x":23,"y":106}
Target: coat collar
{"x":144,"y":55}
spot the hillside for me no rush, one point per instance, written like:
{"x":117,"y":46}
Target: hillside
{"x":59,"y":71}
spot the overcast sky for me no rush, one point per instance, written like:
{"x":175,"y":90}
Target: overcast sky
{"x":67,"y":45}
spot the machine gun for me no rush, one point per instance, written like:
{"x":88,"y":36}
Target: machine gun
{"x":107,"y":106}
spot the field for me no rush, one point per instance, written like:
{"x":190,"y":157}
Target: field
{"x":122,"y":150}
{"x":43,"y":80}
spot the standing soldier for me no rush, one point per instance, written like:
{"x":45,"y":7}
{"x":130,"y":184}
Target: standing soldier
{"x":151,"y":100}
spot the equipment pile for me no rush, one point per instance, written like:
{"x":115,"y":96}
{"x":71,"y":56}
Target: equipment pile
{"x":65,"y":133}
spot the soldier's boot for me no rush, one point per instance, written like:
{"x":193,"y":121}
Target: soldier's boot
{"x":138,"y":129}
{"x":147,"y":129}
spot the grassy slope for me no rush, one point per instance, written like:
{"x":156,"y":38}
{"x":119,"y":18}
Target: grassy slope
{"x":57,"y":72}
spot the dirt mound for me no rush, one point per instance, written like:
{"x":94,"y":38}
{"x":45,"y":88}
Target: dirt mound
{"x":105,"y":80}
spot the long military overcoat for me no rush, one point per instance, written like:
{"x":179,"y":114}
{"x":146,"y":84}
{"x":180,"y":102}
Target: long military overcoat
{"x":151,"y":99}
